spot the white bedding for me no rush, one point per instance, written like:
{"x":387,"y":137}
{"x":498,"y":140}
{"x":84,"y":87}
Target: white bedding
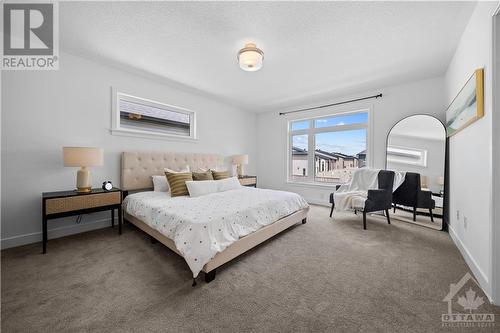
{"x":205,"y":225}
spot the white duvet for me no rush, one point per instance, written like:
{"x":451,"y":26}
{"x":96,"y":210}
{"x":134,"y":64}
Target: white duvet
{"x":203,"y":226}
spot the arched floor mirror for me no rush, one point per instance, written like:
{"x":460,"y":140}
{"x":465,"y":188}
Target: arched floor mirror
{"x":417,"y":146}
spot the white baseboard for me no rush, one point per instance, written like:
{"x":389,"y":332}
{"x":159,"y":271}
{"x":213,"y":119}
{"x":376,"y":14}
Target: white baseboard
{"x":54,"y":233}
{"x":481,"y":278}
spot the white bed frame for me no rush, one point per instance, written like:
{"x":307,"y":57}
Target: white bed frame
{"x":136,"y":171}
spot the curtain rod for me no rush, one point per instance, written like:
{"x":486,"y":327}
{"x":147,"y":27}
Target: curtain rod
{"x":333,"y":104}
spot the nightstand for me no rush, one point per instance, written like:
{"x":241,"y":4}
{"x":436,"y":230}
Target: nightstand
{"x":248,"y":180}
{"x":69,"y":203}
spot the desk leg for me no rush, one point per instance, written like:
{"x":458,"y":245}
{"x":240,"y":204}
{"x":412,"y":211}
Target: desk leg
{"x":112,"y":218}
{"x":44,"y":232}
{"x":120,"y":220}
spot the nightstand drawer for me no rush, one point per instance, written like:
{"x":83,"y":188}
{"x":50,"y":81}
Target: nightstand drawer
{"x":67,"y":204}
{"x":248,"y":181}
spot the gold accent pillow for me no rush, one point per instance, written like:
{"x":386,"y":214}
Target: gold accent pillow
{"x":207,"y":175}
{"x":218,"y":175}
{"x":177,"y":183}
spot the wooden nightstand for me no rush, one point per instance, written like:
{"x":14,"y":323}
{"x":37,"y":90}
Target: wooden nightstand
{"x":68,"y":203}
{"x":248,"y":180}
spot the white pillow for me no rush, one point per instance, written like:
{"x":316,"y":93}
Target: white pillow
{"x":198,"y":188}
{"x":160,"y":183}
{"x":228,"y":184}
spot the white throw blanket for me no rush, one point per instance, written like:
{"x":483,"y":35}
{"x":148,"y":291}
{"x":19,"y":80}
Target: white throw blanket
{"x":353,"y":195}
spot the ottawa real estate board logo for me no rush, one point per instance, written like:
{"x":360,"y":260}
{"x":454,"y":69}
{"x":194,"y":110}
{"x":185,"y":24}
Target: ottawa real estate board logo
{"x":464,"y":305}
{"x":30,"y":36}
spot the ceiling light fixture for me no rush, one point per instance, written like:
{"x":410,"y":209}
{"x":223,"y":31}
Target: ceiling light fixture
{"x":250,"y":58}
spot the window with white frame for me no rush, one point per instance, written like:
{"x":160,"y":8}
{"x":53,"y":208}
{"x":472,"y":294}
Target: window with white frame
{"x":406,"y":155}
{"x":143,"y":117}
{"x":327,"y":149}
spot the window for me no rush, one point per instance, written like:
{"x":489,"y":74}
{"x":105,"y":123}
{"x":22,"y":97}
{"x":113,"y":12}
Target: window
{"x":300,"y":157}
{"x":339,"y":143}
{"x":300,"y":125}
{"x":141,"y":117}
{"x":405,"y":155}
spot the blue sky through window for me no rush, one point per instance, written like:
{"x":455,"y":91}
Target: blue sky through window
{"x":348,"y":119}
{"x":300,"y":141}
{"x":300,"y":125}
{"x":349,"y":142}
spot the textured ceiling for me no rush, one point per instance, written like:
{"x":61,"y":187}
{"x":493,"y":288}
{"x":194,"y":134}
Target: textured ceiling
{"x":312,"y":50}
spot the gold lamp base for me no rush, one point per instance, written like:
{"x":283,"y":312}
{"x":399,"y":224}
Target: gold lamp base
{"x":239,"y":170}
{"x":84,"y":189}
{"x":83,"y":184}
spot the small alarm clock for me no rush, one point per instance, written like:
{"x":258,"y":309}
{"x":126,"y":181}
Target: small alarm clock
{"x":107,"y":185}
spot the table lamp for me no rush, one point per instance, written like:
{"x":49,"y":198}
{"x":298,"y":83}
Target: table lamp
{"x":82,"y":157}
{"x":440,"y":182}
{"x":239,"y":161}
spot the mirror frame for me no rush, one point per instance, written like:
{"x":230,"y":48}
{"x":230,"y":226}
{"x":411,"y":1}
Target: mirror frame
{"x":446,"y":198}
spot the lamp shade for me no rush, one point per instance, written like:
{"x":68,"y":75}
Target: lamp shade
{"x":82,"y":156}
{"x":240,"y":159}
{"x":440,"y":180}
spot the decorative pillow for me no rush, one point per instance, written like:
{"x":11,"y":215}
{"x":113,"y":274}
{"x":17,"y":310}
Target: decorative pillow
{"x":160,"y":183}
{"x":228,"y":184}
{"x":220,"y":174}
{"x":203,"y":187}
{"x":207,"y":175}
{"x":185,"y":169}
{"x":177,"y":183}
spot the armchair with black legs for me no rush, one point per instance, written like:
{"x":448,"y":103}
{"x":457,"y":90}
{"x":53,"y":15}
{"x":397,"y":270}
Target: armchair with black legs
{"x":410,"y":194}
{"x":376,"y":200}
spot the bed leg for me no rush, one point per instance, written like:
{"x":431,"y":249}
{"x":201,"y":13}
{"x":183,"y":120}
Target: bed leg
{"x":153,"y":240}
{"x":304,"y":221}
{"x":210,"y":276}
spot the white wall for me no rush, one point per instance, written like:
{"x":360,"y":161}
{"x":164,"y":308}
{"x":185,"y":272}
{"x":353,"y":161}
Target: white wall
{"x":496,"y":161}
{"x":470,"y":150}
{"x":46,"y":110}
{"x":422,"y":97}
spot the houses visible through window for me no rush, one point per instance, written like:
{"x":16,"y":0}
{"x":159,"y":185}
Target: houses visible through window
{"x":339,"y":143}
{"x":138,"y":116}
{"x":300,"y":156}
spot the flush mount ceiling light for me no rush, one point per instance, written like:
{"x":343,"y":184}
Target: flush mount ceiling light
{"x":250,"y":58}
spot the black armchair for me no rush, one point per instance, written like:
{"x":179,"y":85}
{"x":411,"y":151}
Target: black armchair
{"x":377,"y":200}
{"x":410,"y":194}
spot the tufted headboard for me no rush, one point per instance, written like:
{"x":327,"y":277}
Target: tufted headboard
{"x":138,"y":167}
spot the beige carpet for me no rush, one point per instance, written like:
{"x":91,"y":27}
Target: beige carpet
{"x":321,"y":276}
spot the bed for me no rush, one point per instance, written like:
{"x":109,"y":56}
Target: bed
{"x":210,"y":230}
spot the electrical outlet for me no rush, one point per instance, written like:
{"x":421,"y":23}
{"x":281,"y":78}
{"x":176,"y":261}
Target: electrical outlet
{"x":465,"y":222}
{"x":458,"y":214}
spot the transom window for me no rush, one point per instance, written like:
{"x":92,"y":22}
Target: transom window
{"x":406,"y":155}
{"x":327,"y":149}
{"x":142,"y":117}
